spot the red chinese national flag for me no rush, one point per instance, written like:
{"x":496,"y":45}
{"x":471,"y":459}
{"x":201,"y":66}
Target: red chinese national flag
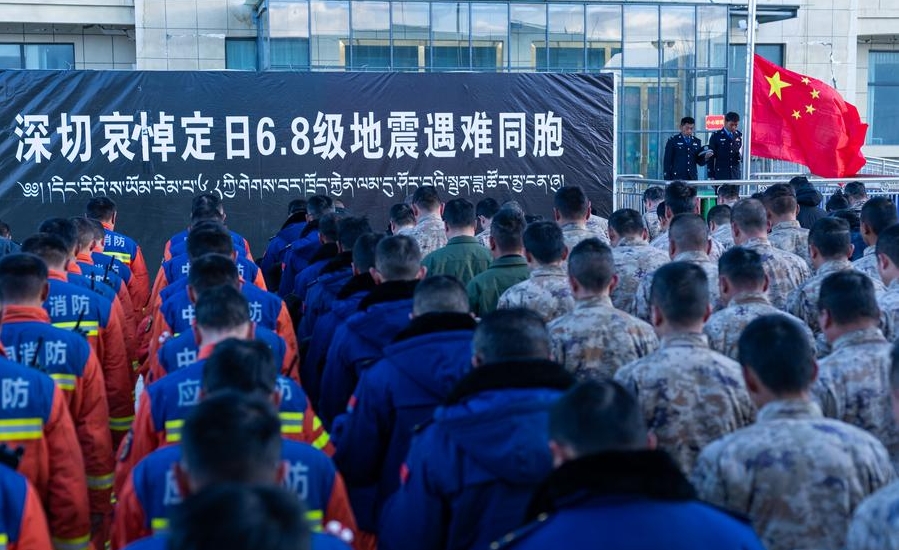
{"x":800,"y":119}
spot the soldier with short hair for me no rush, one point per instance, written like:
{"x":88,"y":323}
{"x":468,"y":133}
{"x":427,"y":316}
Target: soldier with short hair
{"x":877,"y":214}
{"x":797,"y":475}
{"x":634,"y":259}
{"x":786,"y":233}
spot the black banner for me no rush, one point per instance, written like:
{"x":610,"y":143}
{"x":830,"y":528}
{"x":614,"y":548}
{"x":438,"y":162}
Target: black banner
{"x":153,"y":140}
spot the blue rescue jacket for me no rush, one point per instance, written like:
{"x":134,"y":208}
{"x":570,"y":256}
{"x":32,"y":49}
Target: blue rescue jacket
{"x":298,"y":255}
{"x":470,"y":473}
{"x":178,"y":243}
{"x":319,"y":296}
{"x":178,"y":311}
{"x":396,"y":394}
{"x":359,"y":343}
{"x":274,"y":252}
{"x":13,"y":495}
{"x":179,"y":267}
{"x":182,"y":350}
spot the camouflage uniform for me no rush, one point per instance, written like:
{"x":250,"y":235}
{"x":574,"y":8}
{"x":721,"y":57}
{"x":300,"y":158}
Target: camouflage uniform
{"x":867,"y":264}
{"x":429,"y":232}
{"x":724,"y":327}
{"x":634,"y":261}
{"x":689,"y":394}
{"x":600,"y":226}
{"x":797,"y":475}
{"x":854,"y":385}
{"x":889,"y":307}
{"x":785,"y":270}
{"x":653,"y":226}
{"x":715,"y":252}
{"x":484,"y":237}
{"x":803,"y":302}
{"x":724,"y":235}
{"x":574,"y":233}
{"x":642,"y":298}
{"x":792,"y":237}
{"x":875,"y":525}
{"x":546,"y":291}
{"x":595,"y":339}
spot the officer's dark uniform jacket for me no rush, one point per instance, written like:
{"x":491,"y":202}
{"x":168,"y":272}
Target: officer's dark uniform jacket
{"x":616,"y":499}
{"x":359,"y":342}
{"x":151,"y":493}
{"x":681,"y":157}
{"x":344,"y":304}
{"x":22,"y":522}
{"x":470,"y":473}
{"x":727,"y":162}
{"x":399,"y":392}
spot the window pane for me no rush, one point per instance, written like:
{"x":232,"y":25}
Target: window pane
{"x":50,"y":56}
{"x":288,"y":54}
{"x":528,"y":35}
{"x":677,"y":98}
{"x":240,"y":54}
{"x":678,"y":42}
{"x":370,"y":45}
{"x":883,"y":87}
{"x":641,"y":36}
{"x":603,"y":34}
{"x":566,"y":37}
{"x":489,"y":25}
{"x":450,"y":27}
{"x":712,"y":29}
{"x":410,"y":35}
{"x":10,"y":56}
{"x":289,"y":19}
{"x":330,"y":32}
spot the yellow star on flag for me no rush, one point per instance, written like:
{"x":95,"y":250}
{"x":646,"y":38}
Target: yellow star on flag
{"x":805,"y":80}
{"x":809,"y":109}
{"x":796,"y":115}
{"x":776,"y":85}
{"x":815,"y":94}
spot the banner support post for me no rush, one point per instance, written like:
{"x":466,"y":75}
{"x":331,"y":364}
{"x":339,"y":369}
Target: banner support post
{"x":750,"y":75}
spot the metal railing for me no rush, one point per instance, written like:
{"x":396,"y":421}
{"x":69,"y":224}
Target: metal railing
{"x":627,"y":190}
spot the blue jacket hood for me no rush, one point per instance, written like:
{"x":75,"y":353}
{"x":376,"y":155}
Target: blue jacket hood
{"x":498,"y":416}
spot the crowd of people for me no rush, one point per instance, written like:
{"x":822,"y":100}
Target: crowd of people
{"x":475,"y":377}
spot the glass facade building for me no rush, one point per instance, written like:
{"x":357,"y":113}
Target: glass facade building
{"x":671,"y":59}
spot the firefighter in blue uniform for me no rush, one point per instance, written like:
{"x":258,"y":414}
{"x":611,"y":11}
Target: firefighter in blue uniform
{"x":724,"y":155}
{"x":682,"y":153}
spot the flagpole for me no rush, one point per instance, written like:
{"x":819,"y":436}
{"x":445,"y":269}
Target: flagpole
{"x":750,"y":67}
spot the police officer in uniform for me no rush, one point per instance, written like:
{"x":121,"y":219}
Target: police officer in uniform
{"x":682,"y":153}
{"x":724,"y":154}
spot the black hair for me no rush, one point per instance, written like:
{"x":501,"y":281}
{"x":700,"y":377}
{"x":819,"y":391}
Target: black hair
{"x":209,"y":237}
{"x":849,"y":297}
{"x":780,"y":199}
{"x":680,"y":198}
{"x":401,"y":214}
{"x":681,"y":291}
{"x":222,"y":307}
{"x":544,"y":241}
{"x":831,"y":237}
{"x":487,"y":207}
{"x":231,"y":437}
{"x":398,"y":258}
{"x":296,"y":206}
{"x":22,"y":277}
{"x":440,"y":294}
{"x":689,"y":232}
{"x":459,"y":213}
{"x":654,"y":193}
{"x":879,"y":213}
{"x":687,"y":120}
{"x":728,"y":191}
{"x":749,"y":215}
{"x":720,"y":214}
{"x":855,"y":189}
{"x":507,"y":229}
{"x":49,"y":248}
{"x":319,"y":205}
{"x":591,"y":264}
{"x":426,"y":197}
{"x":888,"y":243}
{"x":511,"y":334}
{"x":211,"y":270}
{"x":571,"y":202}
{"x":350,"y":229}
{"x":62,"y":228}
{"x":660,"y":210}
{"x":246,"y":366}
{"x":327,"y":226}
{"x":837,"y":201}
{"x":731,"y":117}
{"x":364,"y":251}
{"x":84,"y":231}
{"x":597,"y":416}
{"x":775,"y":347}
{"x":627,"y":222}
{"x":743,"y":267}
{"x":100,"y":208}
